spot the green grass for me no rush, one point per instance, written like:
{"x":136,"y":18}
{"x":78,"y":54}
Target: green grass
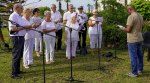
{"x":83,"y":69}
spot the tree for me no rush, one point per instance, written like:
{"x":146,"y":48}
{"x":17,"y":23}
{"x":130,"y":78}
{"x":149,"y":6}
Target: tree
{"x":67,"y":2}
{"x":89,"y":7}
{"x":143,"y":7}
{"x":96,"y":4}
{"x":59,"y":4}
{"x":126,"y":2}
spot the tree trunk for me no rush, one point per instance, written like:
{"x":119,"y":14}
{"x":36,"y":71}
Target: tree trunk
{"x":126,"y":2}
{"x":96,"y":4}
{"x":67,"y":5}
{"x":59,"y":6}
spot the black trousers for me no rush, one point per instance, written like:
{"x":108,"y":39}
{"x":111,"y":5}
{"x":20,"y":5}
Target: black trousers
{"x":148,"y":58}
{"x":17,"y":53}
{"x":83,"y":35}
{"x":58,"y":41}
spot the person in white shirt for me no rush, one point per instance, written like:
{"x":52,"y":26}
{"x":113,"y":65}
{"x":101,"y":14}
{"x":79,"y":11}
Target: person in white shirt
{"x":67,"y":15}
{"x":38,"y":39}
{"x":49,"y":27}
{"x":57,"y":19}
{"x":74,"y":36}
{"x":82,"y":22}
{"x":95,"y":32}
{"x":17,"y":32}
{"x":29,"y":38}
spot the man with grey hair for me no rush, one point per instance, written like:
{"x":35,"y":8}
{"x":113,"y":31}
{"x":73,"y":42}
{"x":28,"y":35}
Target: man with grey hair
{"x":57,"y":19}
{"x":134,"y":39}
{"x":67,"y":15}
{"x":17,"y":35}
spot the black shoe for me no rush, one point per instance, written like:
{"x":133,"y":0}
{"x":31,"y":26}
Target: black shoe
{"x":15,"y":77}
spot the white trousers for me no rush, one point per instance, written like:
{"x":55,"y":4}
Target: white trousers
{"x":50,"y":45}
{"x":73,"y":47}
{"x":94,"y":40}
{"x":38,"y":44}
{"x":28,"y":51}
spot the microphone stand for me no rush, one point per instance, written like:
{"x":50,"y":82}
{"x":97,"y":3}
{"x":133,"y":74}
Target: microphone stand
{"x":42,"y":45}
{"x":99,"y":65}
{"x":71,"y":79}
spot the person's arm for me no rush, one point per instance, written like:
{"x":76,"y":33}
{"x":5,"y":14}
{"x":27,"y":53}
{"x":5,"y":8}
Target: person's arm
{"x":90,"y":23}
{"x":129,"y":25}
{"x":46,"y":30}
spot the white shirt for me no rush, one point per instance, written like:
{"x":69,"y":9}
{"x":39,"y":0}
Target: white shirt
{"x":30,"y":33}
{"x":48,"y":26}
{"x":67,"y":16}
{"x":82,"y":18}
{"x":56,"y":16}
{"x":74,"y":33}
{"x":94,"y":29}
{"x":37,"y":20}
{"x":18,"y":19}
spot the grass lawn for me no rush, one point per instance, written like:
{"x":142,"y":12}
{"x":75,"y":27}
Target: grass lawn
{"x":84,"y":69}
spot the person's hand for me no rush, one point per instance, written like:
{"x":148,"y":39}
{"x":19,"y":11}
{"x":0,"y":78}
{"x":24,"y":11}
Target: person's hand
{"x":121,"y":27}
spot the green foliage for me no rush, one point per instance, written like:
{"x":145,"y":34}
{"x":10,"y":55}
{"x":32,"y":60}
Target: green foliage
{"x":114,"y":13}
{"x":143,"y":7}
{"x":42,"y":10}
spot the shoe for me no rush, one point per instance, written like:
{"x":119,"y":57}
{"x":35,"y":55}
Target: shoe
{"x":140,"y":72}
{"x":48,"y":62}
{"x":26,"y":66}
{"x":15,"y":77}
{"x":131,"y":75}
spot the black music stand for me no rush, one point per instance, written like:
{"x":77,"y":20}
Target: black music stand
{"x":115,"y":50}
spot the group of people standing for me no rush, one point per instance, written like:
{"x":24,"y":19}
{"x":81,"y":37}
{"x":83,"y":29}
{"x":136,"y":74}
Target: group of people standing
{"x":28,"y":20}
{"x":26,"y":38}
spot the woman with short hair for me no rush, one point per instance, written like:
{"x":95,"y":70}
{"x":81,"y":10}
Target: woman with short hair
{"x":29,"y":38}
{"x":95,"y":31}
{"x":48,"y":27}
{"x":38,"y":41}
{"x":74,"y":36}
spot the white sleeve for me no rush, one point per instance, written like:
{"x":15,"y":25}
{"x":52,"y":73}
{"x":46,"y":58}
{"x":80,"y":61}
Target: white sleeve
{"x":14,"y":19}
{"x":53,"y":26}
{"x":65,"y":16}
{"x":86,"y":17}
{"x":43,"y":25}
{"x":60,"y":16}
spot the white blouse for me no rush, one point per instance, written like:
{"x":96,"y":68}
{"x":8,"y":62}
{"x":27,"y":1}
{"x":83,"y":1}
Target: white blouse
{"x":37,"y":20}
{"x":94,"y":29}
{"x":74,"y":33}
{"x":48,"y":26}
{"x":29,"y":33}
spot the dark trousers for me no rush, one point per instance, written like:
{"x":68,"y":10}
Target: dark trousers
{"x":148,"y":58}
{"x":58,"y":41}
{"x":17,"y":53}
{"x":83,"y":35}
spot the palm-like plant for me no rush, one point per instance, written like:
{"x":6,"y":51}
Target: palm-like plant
{"x":96,"y":4}
{"x":126,"y":1}
{"x":89,"y":7}
{"x":59,"y":4}
{"x":67,"y":2}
